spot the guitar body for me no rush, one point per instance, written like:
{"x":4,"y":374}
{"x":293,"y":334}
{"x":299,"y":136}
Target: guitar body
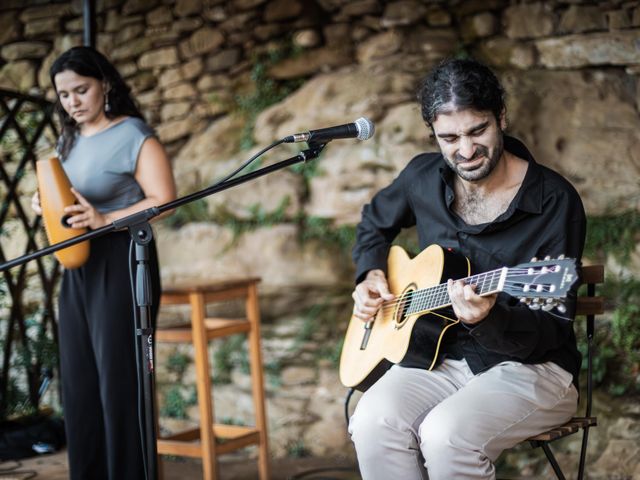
{"x":367,"y":355}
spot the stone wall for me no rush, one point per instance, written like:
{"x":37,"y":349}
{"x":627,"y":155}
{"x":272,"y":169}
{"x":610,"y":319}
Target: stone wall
{"x":221,"y":79}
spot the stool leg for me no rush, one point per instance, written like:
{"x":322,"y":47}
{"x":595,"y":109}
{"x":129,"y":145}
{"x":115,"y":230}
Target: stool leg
{"x":257,"y":384}
{"x":203,"y":381}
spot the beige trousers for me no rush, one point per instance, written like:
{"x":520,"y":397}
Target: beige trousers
{"x":452,"y":423}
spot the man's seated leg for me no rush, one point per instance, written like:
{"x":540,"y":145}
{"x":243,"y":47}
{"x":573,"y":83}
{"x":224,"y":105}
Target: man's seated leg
{"x":464,"y":435}
{"x":384,"y":427}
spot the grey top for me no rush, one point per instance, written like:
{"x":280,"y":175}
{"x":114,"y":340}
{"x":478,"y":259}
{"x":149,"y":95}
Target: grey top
{"x":102,"y":166}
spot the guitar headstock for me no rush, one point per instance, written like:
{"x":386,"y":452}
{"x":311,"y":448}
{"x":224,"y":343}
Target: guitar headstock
{"x":542,"y":283}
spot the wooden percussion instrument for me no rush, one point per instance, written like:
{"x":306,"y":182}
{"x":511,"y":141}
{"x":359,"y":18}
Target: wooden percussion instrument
{"x":55,"y":195}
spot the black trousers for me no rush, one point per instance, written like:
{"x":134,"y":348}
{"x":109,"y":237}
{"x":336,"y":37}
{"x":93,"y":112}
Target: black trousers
{"x":98,"y":362}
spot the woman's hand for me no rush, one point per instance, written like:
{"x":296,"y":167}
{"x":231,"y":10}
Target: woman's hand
{"x":83,"y":214}
{"x":35,"y":203}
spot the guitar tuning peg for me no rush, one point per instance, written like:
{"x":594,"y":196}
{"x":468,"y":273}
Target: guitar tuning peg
{"x":534,"y":259}
{"x":549,"y":305}
{"x":547,"y":258}
{"x":535,"y":304}
{"x":524,"y":300}
{"x":561,"y":257}
{"x":562,"y":308}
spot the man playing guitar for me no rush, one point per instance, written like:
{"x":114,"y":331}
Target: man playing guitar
{"x":504,"y":372}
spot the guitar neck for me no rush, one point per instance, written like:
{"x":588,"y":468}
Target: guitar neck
{"x":436,"y":297}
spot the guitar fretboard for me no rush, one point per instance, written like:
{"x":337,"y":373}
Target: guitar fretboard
{"x":436,"y":297}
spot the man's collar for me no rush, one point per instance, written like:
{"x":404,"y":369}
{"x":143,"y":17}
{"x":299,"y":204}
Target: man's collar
{"x":529,"y":196}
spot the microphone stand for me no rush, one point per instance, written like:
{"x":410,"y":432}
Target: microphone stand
{"x":141,"y":233}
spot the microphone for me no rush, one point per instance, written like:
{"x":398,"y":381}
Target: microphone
{"x":362,"y":129}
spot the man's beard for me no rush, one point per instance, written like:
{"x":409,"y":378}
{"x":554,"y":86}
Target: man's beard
{"x":484,"y":169}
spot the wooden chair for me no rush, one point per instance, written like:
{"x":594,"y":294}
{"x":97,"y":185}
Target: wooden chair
{"x":211,"y":439}
{"x":588,"y":305}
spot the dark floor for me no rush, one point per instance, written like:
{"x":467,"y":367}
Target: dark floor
{"x":54,"y":467}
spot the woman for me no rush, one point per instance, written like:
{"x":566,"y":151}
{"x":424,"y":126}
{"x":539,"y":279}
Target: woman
{"x":117,"y":167}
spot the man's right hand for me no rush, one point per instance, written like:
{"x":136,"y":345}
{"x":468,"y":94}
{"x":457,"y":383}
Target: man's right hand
{"x":369,"y":295}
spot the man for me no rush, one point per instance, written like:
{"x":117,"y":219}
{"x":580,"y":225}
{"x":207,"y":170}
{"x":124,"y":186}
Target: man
{"x":505,"y":372}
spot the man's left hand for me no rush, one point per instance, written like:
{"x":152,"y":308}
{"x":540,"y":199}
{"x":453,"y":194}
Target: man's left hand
{"x":468,"y":306}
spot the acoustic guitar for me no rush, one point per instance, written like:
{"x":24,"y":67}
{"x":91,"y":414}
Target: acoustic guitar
{"x":420,"y":288}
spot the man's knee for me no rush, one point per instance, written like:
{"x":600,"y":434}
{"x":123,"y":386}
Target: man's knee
{"x":441,"y":431}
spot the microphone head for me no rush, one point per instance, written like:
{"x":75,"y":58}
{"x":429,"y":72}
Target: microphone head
{"x":365,"y":128}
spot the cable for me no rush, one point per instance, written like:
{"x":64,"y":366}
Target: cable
{"x":248,"y":162}
{"x":346,"y":406}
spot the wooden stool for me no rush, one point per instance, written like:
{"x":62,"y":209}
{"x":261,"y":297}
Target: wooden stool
{"x":210,"y":439}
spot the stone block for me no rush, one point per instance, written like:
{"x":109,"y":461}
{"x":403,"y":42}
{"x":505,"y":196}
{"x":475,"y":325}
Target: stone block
{"x":131,"y":49}
{"x":575,"y":51}
{"x":209,"y":82}
{"x":635,"y":17}
{"x":337,"y":34}
{"x":41,"y":27}
{"x":278,"y":10}
{"x":45,"y":11}
{"x":380,"y":46}
{"x":618,"y":19}
{"x":582,"y":18}
{"x":184,"y":8}
{"x":174,"y":130}
{"x":128,"y":33}
{"x":308,"y":38}
{"x":163,"y":57}
{"x":170,"y":77}
{"x":247,"y":4}
{"x":238,"y":23}
{"x":192,"y":68}
{"x":9,"y":27}
{"x":159,"y":16}
{"x":531,"y":20}
{"x":24,"y":50}
{"x":480,"y":25}
{"x":222,"y":60}
{"x":186,"y":24}
{"x":19,"y":75}
{"x":402,"y":13}
{"x":174,"y":110}
{"x":360,"y":8}
{"x":142,"y":81}
{"x":179,"y":91}
{"x":438,"y":17}
{"x":204,"y":40}
{"x":138,"y":6}
{"x":317,"y":60}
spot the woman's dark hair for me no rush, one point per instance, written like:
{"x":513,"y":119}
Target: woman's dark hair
{"x":461,"y":84}
{"x":88,"y":62}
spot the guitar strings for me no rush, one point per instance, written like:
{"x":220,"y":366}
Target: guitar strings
{"x":423,"y":296}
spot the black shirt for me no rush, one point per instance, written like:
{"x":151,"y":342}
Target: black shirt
{"x":546,"y":217}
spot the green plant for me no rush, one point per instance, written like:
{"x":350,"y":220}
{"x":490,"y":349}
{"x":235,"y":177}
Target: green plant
{"x":229,"y":353}
{"x":176,"y":402}
{"x":196,"y":211}
{"x":298,"y":449}
{"x":178,"y":363}
{"x":617,"y":234}
{"x":266,"y":91}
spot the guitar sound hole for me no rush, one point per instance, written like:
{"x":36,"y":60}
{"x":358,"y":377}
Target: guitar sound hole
{"x":402,"y":308}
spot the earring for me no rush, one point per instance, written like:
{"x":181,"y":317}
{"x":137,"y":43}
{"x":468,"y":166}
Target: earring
{"x":107,"y":106}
